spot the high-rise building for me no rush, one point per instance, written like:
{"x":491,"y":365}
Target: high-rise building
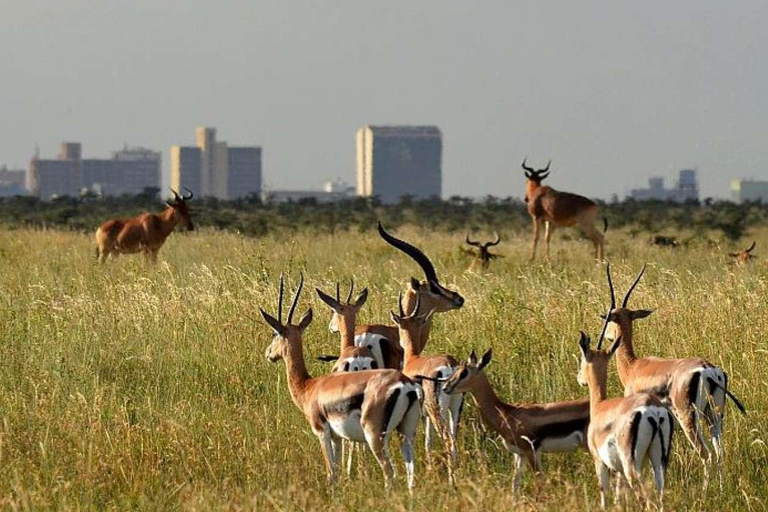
{"x":749,"y":190}
{"x":12,"y":181}
{"x":686,"y":189}
{"x":213,"y":169}
{"x":397,"y":161}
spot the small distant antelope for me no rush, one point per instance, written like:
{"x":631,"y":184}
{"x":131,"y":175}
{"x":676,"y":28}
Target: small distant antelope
{"x":527,"y":430}
{"x":743,"y":257}
{"x":623,"y":432}
{"x":441,"y":407}
{"x":364,"y":407}
{"x":695,"y":388}
{"x":483,"y":256}
{"x":665,"y":241}
{"x":383,"y":340}
{"x":144,"y":233}
{"x":557,"y":208}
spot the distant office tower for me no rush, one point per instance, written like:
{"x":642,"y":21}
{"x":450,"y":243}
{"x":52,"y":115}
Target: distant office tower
{"x":749,"y":190}
{"x":12,"y":182}
{"x":128,"y":171}
{"x":686,"y":189}
{"x":397,"y":161}
{"x":214,"y":169}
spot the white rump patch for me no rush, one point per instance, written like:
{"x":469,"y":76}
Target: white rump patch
{"x":373,"y":342}
{"x":355,"y":364}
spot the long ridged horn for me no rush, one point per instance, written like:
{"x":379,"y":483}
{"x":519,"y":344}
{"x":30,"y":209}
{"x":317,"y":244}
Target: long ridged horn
{"x":176,"y":196}
{"x":495,"y":242}
{"x":351,"y":288}
{"x":527,"y":169}
{"x":631,"y":288}
{"x":295,"y":298}
{"x":602,"y":332}
{"x":610,"y":286}
{"x":188,"y":194}
{"x":400,"y":304}
{"x":415,"y":254}
{"x":280,"y":299}
{"x":470,"y":242}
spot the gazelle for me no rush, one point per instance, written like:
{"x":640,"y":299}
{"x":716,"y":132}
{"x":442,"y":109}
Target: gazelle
{"x":441,"y":408}
{"x":383,"y":340}
{"x":743,"y":257}
{"x":361,"y":406}
{"x":623,"y":432}
{"x":145,"y":233}
{"x":557,"y":208}
{"x":483,"y":256}
{"x":695,"y":388}
{"x":527,"y":430}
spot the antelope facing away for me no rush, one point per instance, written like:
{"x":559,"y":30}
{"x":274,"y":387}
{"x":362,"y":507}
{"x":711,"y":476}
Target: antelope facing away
{"x":623,"y":432}
{"x":695,"y":388}
{"x":743,"y":257}
{"x":527,"y":430}
{"x":383,"y":340}
{"x":557,"y":208}
{"x":144,"y":233}
{"x":483,"y":256}
{"x":363,"y":407}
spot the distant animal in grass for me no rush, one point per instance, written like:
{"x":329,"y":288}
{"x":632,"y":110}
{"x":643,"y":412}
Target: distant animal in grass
{"x":665,"y":241}
{"x":481,"y":255}
{"x":745,"y":256}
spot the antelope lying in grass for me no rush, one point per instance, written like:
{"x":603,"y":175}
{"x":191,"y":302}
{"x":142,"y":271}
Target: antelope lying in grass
{"x":695,"y":388}
{"x":623,"y":432}
{"x":361,"y":406}
{"x":527,"y":430}
{"x":383,"y":340}
{"x":145,"y":233}
{"x":557,"y":208}
{"x":665,"y":241}
{"x":743,"y":257}
{"x":483,"y":256}
{"x":441,"y":407}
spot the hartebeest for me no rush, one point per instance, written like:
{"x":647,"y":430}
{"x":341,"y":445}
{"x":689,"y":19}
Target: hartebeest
{"x":145,"y":233}
{"x":527,"y":430}
{"x":383,"y":340}
{"x":361,"y":406}
{"x":743,"y":257}
{"x":483,"y":256}
{"x":695,"y":388}
{"x":557,"y":208}
{"x":623,"y":432}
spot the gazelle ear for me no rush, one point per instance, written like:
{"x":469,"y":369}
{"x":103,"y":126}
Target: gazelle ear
{"x":584,"y":344}
{"x":472,"y":357}
{"x":415,"y":284}
{"x":273,"y":323}
{"x":330,"y":301}
{"x":361,"y":298}
{"x":614,"y":347}
{"x":305,"y":320}
{"x":640,"y":313}
{"x":485,"y":359}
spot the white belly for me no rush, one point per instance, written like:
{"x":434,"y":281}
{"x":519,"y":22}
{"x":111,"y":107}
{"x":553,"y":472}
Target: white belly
{"x":609,"y":454}
{"x":563,"y":444}
{"x":348,"y":427}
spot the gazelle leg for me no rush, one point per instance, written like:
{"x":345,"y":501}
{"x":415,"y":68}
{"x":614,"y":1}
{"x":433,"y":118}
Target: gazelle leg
{"x":408,"y":427}
{"x":603,"y":480}
{"x":326,"y":443}
{"x":689,"y":423}
{"x":549,"y":227}
{"x":535,"y":238}
{"x":378,"y":444}
{"x":518,"y":471}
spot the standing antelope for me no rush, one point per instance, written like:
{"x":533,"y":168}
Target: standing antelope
{"x":483,"y":256}
{"x":557,"y":208}
{"x":383,"y":340}
{"x":623,"y":432}
{"x":144,"y":233}
{"x":693,"y":387}
{"x":527,"y":430}
{"x":361,"y":406}
{"x":743,"y":257}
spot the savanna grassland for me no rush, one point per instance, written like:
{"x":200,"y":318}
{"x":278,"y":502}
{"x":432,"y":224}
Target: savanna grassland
{"x":133,"y":386}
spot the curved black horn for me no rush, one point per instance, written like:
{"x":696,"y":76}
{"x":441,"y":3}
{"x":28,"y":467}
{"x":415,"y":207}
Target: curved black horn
{"x":610,"y":285}
{"x":495,"y":242}
{"x":470,"y":242}
{"x":602,"y":332}
{"x":351,"y":288}
{"x":631,"y":288}
{"x":751,"y":246}
{"x":416,"y":306}
{"x":415,"y":254}
{"x":528,"y":169}
{"x":542,"y":175}
{"x":338,"y":292}
{"x":187,"y":194}
{"x":176,"y":196}
{"x":295,"y":298}
{"x":546,"y":168}
{"x":400,"y":304}
{"x":280,"y":299}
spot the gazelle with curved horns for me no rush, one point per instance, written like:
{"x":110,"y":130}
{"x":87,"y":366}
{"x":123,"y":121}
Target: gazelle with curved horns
{"x":626,"y":431}
{"x":557,"y":208}
{"x":383,"y":340}
{"x":743,"y":257}
{"x":527,"y":430}
{"x":363,"y":407}
{"x":695,"y":388}
{"x":144,"y":233}
{"x":483,"y":256}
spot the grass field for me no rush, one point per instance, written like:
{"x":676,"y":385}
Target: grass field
{"x":129,"y":385}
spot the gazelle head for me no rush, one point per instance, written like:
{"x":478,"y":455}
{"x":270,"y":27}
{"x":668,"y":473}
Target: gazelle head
{"x":483,"y":254}
{"x":593,"y":370}
{"x":534,"y":178}
{"x":411,"y":324}
{"x":743,"y":257}
{"x":466,"y":373}
{"x":180,"y":209}
{"x":620,"y":319}
{"x":433,"y":295}
{"x":343,"y":311}
{"x":287,"y":336}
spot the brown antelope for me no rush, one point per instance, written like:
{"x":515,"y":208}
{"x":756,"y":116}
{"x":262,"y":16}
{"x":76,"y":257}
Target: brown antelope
{"x":441,"y":408}
{"x":557,"y":208}
{"x":144,"y":233}
{"x":483,"y":257}
{"x":626,"y":431}
{"x":743,"y":257}
{"x":693,"y":387}
{"x":383,"y":340}
{"x":527,"y":430}
{"x":363,"y":407}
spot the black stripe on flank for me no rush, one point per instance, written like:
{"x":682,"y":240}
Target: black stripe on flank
{"x":389,"y":408}
{"x":345,"y":405}
{"x":633,"y":430}
{"x":693,"y":388}
{"x":558,"y":429}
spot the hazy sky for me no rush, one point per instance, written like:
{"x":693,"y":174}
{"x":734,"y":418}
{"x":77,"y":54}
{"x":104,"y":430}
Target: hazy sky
{"x":612,"y":91}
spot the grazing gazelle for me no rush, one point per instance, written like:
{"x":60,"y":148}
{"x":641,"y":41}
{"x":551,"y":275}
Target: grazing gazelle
{"x":694,"y":387}
{"x":145,"y":233}
{"x":382,"y":340}
{"x":441,"y":408}
{"x":364,"y":407}
{"x":623,"y":432}
{"x":557,"y":208}
{"x":527,"y":430}
{"x":483,"y":256}
{"x":743,"y":257}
